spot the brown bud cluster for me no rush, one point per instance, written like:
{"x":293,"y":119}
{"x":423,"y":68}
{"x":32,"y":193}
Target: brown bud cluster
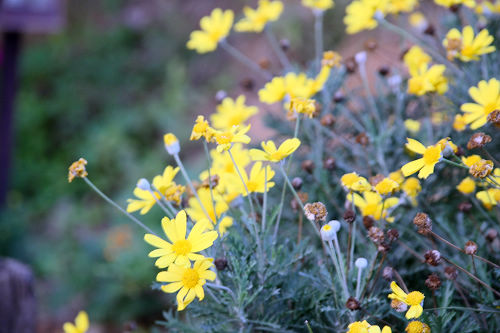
{"x":308,"y":166}
{"x":315,"y":211}
{"x":352,"y":304}
{"x":491,"y":234}
{"x":327,"y":120}
{"x":465,"y":206}
{"x":392,"y":235}
{"x":368,"y":222}
{"x":297,"y":183}
{"x":433,"y":282}
{"x":376,"y":235}
{"x":450,"y":273}
{"x":478,"y":140}
{"x":432,"y":257}
{"x":339,"y":96}
{"x":481,"y":169}
{"x":470,"y":248}
{"x":329,"y":163}
{"x":423,"y":223}
{"x":362,"y":139}
{"x":349,"y":216}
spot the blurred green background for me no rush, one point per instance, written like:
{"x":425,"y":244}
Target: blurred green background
{"x":106,"y":88}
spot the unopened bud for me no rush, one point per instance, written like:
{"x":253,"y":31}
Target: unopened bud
{"x":143,"y":184}
{"x":349,"y":216}
{"x":297,"y":183}
{"x":220,"y":264}
{"x":352,"y":304}
{"x":387,"y":273}
{"x":308,"y":166}
{"x":433,"y":282}
{"x":432,"y":257}
{"x":329,"y":163}
{"x":470,"y":248}
{"x":450,"y":273}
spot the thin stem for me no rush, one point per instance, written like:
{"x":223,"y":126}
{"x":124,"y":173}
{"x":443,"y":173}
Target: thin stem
{"x":318,"y":37}
{"x":353,"y":242}
{"x":341,"y":259}
{"x":264,"y":204}
{"x":276,"y":47}
{"x":244,"y":59}
{"x":209,"y":160}
{"x":455,"y":164}
{"x":190,"y":184}
{"x":243,"y":182}
{"x":338,"y":267}
{"x":358,"y":283}
{"x":165,"y":200}
{"x":114,"y":204}
{"x":473,"y":277}
{"x":158,"y":201}
{"x":220,"y":287}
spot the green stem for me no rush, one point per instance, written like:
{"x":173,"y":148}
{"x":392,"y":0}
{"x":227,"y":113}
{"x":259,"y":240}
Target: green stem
{"x":277,"y":49}
{"x":318,"y":37}
{"x":244,"y":59}
{"x":205,"y":146}
{"x":244,"y":184}
{"x":264,"y":204}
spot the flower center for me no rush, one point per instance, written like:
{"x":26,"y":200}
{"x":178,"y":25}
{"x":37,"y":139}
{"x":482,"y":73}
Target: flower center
{"x":432,"y":155}
{"x":414,"y":298}
{"x":181,"y":247}
{"x":224,"y":138}
{"x":276,"y":156}
{"x":252,"y":186}
{"x":190,"y":278}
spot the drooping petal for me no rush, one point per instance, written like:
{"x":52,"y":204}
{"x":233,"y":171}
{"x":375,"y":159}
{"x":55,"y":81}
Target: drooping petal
{"x":411,"y":167}
{"x":172,"y":287}
{"x":414,"y":311}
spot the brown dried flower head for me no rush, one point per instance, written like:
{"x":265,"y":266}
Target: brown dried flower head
{"x":398,"y":305}
{"x":297,"y":183}
{"x":450,"y":273}
{"x":392,"y":235}
{"x":368,"y":222}
{"x":362,"y":139}
{"x":423,"y":223}
{"x":478,"y":140}
{"x":376,"y":235}
{"x":308,"y":166}
{"x":494,"y":118}
{"x":433,"y":282}
{"x":349,"y":216}
{"x":77,"y":169}
{"x":327,"y":120}
{"x":329,"y":163}
{"x":339,"y":96}
{"x":470,"y":248}
{"x":481,"y":169}
{"x":214,"y":181}
{"x":315,"y":211}
{"x":432,"y":257}
{"x":220,"y":264}
{"x":491,"y":234}
{"x":352,"y":304}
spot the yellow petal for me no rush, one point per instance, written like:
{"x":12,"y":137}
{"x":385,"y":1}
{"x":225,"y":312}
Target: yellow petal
{"x":415,"y":146}
{"x":411,"y":167}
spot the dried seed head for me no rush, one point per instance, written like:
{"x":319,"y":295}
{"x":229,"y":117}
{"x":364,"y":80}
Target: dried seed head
{"x":465,"y":206}
{"x":329,"y":163}
{"x":433,"y":282}
{"x":392,"y":235}
{"x":328,"y":120}
{"x":315,"y":211}
{"x":339,"y":96}
{"x":430,"y":30}
{"x":303,"y":197}
{"x":481,"y":169}
{"x":352,"y":304}
{"x":362,"y":139}
{"x":398,"y":305}
{"x":265,"y":63}
{"x":387,"y":273}
{"x":494,"y":118}
{"x":247,"y":84}
{"x":376,"y":235}
{"x":450,"y":273}
{"x":349,"y":216}
{"x":77,"y":169}
{"x":368,"y":222}
{"x":491,"y":234}
{"x":297,"y":183}
{"x":384,"y":70}
{"x":478,"y":140}
{"x":460,"y":151}
{"x":383,"y":247}
{"x":423,"y":223}
{"x":220,"y":264}
{"x":432,"y":257}
{"x":308,"y":166}
{"x":470,"y":248}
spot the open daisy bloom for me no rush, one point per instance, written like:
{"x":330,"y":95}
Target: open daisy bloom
{"x":214,"y":28}
{"x":81,"y":324}
{"x":465,"y":46}
{"x":256,"y":183}
{"x":372,"y":203}
{"x":181,"y":249}
{"x":255,"y":20}
{"x":417,"y":327}
{"x":187,"y":280}
{"x":487,"y":98}
{"x":235,"y":134}
{"x":353,"y":182}
{"x":272,"y":154}
{"x":232,"y":112}
{"x":415,"y":300}
{"x":431,"y":156}
{"x":365,"y":327}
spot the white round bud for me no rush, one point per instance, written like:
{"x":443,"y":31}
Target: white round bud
{"x":361,"y":263}
{"x":327,"y":232}
{"x":143,"y":184}
{"x":360,"y":58}
{"x":335,"y":225}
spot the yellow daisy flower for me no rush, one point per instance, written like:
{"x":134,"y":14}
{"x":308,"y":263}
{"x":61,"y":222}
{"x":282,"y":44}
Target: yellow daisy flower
{"x":467,"y":185}
{"x":431,"y":156}
{"x":224,"y":224}
{"x":201,"y":128}
{"x":214,"y":28}
{"x":465,"y":46}
{"x":471,"y":160}
{"x":487,"y":98}
{"x":365,"y":327}
{"x":371,"y":204}
{"x":449,"y":3}
{"x":318,"y":4}
{"x":401,"y":6}
{"x":81,"y":324}
{"x":417,"y":327}
{"x":232,"y":113}
{"x":165,"y":185}
{"x":489,"y":197}
{"x":415,"y":300}
{"x":428,"y":79}
{"x":271,"y":154}
{"x":459,"y":123}
{"x":144,"y":202}
{"x":415,"y":58}
{"x":235,"y":134}
{"x":304,"y":106}
{"x":256,"y":19}
{"x":256,"y":182}
{"x":412,"y":126}
{"x":398,"y":177}
{"x":196,"y":212}
{"x":181,"y":249}
{"x":411,"y":187}
{"x":187,"y":280}
{"x":353,"y":182}
{"x":386,"y":186}
{"x":360,"y":14}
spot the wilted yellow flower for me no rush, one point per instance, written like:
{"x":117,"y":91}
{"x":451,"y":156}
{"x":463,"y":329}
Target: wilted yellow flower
{"x":235,"y":134}
{"x":165,"y":185}
{"x":353,"y":182}
{"x":214,"y":28}
{"x":187,"y":280}
{"x":305,"y":106}
{"x":431,"y":156}
{"x":201,"y":128}
{"x":414,"y":299}
{"x":318,"y":4}
{"x":426,"y":80}
{"x":465,"y":46}
{"x":459,"y":123}
{"x":371,"y":204}
{"x":81,"y":324}
{"x":270,"y":153}
{"x":413,"y":126}
{"x":180,"y":249}
{"x":481,"y":169}
{"x":232,"y":113}
{"x":417,"y":327}
{"x":487,"y":98}
{"x":467,"y":186}
{"x":489,"y":197}
{"x":256,"y":19}
{"x":386,"y":186}
{"x":331,"y":59}
{"x":360,"y":14}
{"x":415,"y":58}
{"x":449,"y":3}
{"x":77,"y":169}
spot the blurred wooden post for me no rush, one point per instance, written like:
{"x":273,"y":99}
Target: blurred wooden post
{"x":18,"y":17}
{"x":17,"y":298}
